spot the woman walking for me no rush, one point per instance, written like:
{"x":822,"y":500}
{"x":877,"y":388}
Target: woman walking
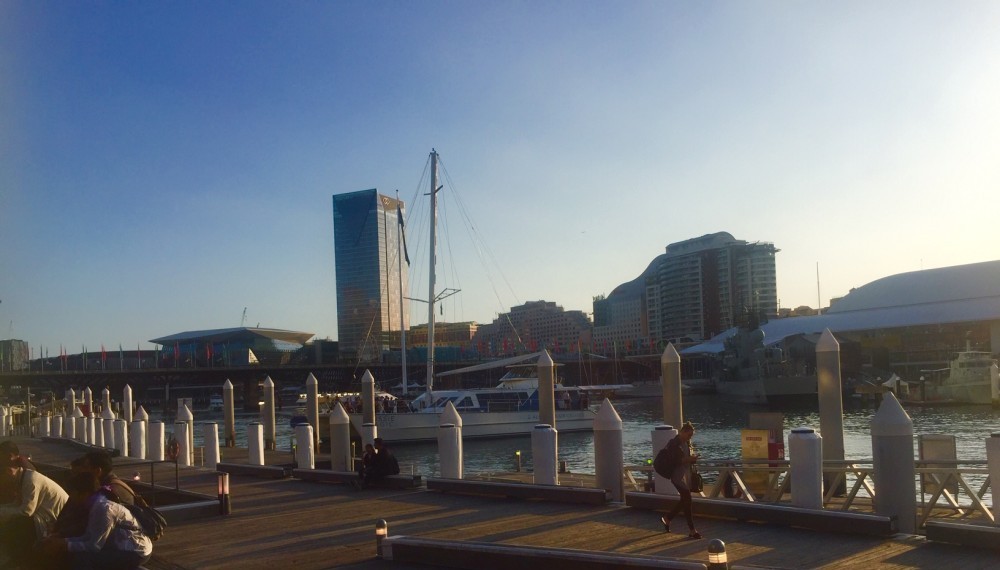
{"x":679,"y":451}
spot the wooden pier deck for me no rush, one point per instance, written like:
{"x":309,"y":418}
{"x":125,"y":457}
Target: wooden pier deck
{"x":287,"y":523}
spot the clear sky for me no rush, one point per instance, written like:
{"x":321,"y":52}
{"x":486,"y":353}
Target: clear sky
{"x":165,"y":164}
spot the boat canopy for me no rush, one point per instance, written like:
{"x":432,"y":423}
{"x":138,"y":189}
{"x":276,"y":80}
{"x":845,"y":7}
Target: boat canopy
{"x":502,"y":363}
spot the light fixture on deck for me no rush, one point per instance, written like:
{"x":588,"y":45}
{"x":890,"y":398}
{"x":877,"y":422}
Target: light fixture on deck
{"x":717,"y":559}
{"x":225,"y":507}
{"x":517,"y":457}
{"x":381,"y":530}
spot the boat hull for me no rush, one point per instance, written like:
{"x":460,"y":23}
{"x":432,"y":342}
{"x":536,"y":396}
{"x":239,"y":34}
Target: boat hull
{"x":967,"y":392}
{"x":417,"y":427}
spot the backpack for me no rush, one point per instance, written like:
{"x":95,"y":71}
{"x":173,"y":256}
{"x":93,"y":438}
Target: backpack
{"x":667,"y":460}
{"x":150,"y":520}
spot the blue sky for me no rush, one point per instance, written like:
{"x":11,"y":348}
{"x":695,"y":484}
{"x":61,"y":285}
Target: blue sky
{"x":164,"y":165}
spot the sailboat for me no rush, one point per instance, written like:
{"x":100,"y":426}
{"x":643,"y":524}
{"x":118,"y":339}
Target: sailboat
{"x":509,"y":409}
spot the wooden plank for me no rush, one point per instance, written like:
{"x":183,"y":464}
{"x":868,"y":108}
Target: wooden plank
{"x":582,"y":495}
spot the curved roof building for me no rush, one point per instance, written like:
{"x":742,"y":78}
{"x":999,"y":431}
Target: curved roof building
{"x":944,"y":303}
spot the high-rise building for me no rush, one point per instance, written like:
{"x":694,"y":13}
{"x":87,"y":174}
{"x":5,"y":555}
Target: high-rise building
{"x":533,"y":326}
{"x":367,"y":228}
{"x":696,"y":289}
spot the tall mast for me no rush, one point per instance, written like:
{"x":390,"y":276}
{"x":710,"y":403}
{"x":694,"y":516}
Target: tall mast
{"x":430,"y":288}
{"x":402,"y":320}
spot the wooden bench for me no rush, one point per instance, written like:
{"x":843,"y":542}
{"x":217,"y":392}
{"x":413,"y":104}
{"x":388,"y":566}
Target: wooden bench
{"x":815,"y":519}
{"x":584,"y":495}
{"x":262,"y":471}
{"x":980,"y":536}
{"x":327,"y":476}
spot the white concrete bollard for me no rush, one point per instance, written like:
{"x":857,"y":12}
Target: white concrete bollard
{"x":121,"y":437}
{"x":805,"y":449}
{"x":3,"y":421}
{"x":892,"y":457}
{"x":255,"y":443}
{"x":367,"y":399}
{"x":312,"y":407}
{"x":45,"y":426}
{"x":187,"y":416}
{"x":157,"y":434}
{"x":106,"y":399}
{"x":142,"y":416}
{"x":229,"y":413}
{"x":211,"y":437}
{"x":305,"y":455}
{"x":340,"y":439}
{"x":544,"y":454}
{"x":70,"y":401}
{"x":79,"y":426}
{"x":69,"y":426}
{"x":661,"y":436}
{"x":449,"y":440}
{"x":127,"y":403}
{"x":993,"y":463}
{"x":546,"y":390}
{"x":108,"y":419}
{"x":137,"y":439}
{"x":670,"y":384}
{"x":368,"y":434}
{"x":609,"y":458}
{"x":98,"y":431}
{"x":57,"y":425}
{"x":267,"y":415}
{"x":88,"y":401}
{"x":90,"y":424}
{"x":831,"y":404}
{"x":183,"y":439}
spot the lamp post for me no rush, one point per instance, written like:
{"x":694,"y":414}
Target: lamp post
{"x":381,"y":530}
{"x":225,"y":507}
{"x":717,"y":559}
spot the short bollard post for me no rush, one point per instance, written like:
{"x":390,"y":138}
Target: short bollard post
{"x":717,"y":559}
{"x":225,"y":507}
{"x":381,"y":530}
{"x":517,"y":458}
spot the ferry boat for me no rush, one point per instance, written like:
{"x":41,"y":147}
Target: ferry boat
{"x":971,"y":378}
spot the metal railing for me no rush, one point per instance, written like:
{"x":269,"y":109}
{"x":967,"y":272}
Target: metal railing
{"x":950,"y":489}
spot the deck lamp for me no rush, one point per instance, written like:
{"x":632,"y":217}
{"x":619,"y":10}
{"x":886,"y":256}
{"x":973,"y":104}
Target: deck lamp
{"x":381,"y":530}
{"x":517,"y":457}
{"x":225,"y":507}
{"x":717,"y":559}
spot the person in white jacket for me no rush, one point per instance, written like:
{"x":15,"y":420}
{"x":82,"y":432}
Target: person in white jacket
{"x":38,"y":501}
{"x":113,"y":539}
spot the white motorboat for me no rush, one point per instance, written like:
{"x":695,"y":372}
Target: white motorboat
{"x":971,"y":378}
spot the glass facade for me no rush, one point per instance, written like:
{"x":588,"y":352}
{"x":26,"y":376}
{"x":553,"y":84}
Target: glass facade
{"x":365,"y":230}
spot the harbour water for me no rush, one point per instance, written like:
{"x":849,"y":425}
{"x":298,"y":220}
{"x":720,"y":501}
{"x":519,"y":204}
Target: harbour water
{"x":717,"y":421}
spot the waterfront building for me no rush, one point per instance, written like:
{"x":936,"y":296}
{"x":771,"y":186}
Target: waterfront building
{"x":241,"y":346}
{"x":696,"y":289}
{"x":366,"y":228}
{"x":908,"y":323}
{"x":533,"y":326}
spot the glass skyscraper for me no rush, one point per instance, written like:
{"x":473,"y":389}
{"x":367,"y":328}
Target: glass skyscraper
{"x":366,"y":228}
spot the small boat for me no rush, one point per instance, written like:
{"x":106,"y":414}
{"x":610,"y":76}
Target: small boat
{"x":971,"y":379}
{"x":755,"y":373}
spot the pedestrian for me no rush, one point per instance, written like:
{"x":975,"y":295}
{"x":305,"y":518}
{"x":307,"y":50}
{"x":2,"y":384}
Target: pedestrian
{"x":383,"y":465}
{"x":682,"y":459}
{"x":37,"y":505}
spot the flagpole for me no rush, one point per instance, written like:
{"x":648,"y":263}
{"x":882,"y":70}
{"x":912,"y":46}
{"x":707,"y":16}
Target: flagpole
{"x":402,"y":320}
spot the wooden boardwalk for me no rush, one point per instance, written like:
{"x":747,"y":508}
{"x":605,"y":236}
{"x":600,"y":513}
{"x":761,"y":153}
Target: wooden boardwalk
{"x":293,"y":524}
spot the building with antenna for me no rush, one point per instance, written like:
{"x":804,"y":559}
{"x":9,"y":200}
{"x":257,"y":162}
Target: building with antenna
{"x":370,"y":273}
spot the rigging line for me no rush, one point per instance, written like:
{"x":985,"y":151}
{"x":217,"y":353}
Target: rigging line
{"x":480,"y":244}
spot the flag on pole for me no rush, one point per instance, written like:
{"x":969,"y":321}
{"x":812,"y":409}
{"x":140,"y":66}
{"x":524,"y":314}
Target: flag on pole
{"x":399,"y":215}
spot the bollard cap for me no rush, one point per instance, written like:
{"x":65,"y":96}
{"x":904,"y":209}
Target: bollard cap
{"x":891,"y":419}
{"x":827,"y":342}
{"x":311,"y":380}
{"x":607,"y":418}
{"x":228,"y":385}
{"x":268,"y":383}
{"x":368,"y":378}
{"x":545,"y":361}
{"x":670,"y":355}
{"x":450,"y":415}
{"x":338,"y":415}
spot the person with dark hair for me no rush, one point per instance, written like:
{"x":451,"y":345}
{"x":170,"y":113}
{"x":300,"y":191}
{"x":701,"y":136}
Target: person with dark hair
{"x":679,"y":450}
{"x":100,"y":464}
{"x":112,"y":539}
{"x":27,"y":518}
{"x":382,"y":465}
